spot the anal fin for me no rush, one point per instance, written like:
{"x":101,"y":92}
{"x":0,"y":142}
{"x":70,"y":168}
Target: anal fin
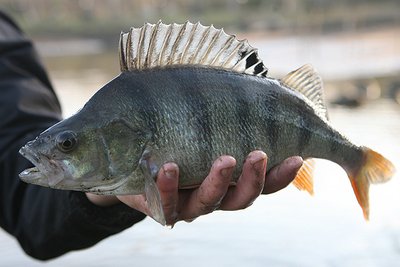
{"x":304,"y":180}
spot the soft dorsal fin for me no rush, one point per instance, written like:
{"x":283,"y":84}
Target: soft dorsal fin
{"x":307,"y":81}
{"x":157,"y":45}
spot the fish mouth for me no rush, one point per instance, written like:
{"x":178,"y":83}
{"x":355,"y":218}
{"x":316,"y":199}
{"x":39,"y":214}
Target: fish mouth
{"x":46,"y":172}
{"x":30,"y":175}
{"x":50,"y":173}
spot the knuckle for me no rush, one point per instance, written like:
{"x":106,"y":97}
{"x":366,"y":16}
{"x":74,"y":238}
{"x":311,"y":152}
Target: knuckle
{"x":169,"y":207}
{"x":245,"y":205}
{"x":208,"y":207}
{"x":257,"y":186}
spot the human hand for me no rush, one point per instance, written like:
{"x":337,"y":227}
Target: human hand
{"x":215,"y":192}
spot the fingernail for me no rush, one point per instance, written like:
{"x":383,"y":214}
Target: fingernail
{"x":227,"y":171}
{"x":257,"y":160}
{"x":170,"y":174}
{"x":295,"y":162}
{"x":259,"y":165}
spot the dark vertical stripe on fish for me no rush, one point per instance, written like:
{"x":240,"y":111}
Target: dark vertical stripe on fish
{"x":243,"y":119}
{"x":272,"y":126}
{"x":199,"y":115}
{"x":146,"y":104}
{"x":333,"y":145}
{"x":304,"y":135}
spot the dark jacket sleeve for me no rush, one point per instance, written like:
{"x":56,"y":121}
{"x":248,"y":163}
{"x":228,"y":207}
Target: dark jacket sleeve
{"x":46,"y":222}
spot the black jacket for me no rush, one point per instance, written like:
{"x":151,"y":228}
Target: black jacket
{"x":46,"y":222}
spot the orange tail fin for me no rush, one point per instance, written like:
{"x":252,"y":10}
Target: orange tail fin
{"x":375,"y":169}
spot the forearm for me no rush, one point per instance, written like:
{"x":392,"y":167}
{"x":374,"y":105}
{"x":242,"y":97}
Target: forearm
{"x":46,"y":222}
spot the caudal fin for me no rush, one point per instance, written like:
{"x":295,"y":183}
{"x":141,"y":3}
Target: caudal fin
{"x":375,"y":169}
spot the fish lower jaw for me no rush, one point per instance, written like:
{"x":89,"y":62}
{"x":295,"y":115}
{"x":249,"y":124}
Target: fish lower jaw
{"x":34,"y":176}
{"x":111,"y":189}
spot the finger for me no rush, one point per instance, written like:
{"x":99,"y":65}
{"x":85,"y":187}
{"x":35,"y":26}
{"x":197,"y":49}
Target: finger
{"x":208,"y":196}
{"x":102,"y":200}
{"x":249,"y":185}
{"x":167,"y":183}
{"x":137,"y":202}
{"x":282,"y":175}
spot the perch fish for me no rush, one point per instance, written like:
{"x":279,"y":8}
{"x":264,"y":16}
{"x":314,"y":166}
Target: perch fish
{"x":188,"y":93}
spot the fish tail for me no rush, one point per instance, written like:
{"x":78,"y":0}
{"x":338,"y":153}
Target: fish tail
{"x":374,"y":169}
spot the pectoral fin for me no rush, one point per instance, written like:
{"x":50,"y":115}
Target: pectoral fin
{"x":150,"y":170}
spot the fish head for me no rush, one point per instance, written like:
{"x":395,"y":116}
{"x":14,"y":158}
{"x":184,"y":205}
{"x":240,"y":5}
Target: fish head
{"x":66,"y":156}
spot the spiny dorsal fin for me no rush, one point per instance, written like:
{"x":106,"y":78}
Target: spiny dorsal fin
{"x":307,"y":81}
{"x":157,"y":45}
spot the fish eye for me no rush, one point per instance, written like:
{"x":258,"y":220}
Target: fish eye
{"x":66,"y":141}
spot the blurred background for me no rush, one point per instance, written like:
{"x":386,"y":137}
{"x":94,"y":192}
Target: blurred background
{"x":354,"y":45}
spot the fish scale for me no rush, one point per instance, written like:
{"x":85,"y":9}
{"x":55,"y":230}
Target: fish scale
{"x":176,"y":100}
{"x":219,"y":131}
